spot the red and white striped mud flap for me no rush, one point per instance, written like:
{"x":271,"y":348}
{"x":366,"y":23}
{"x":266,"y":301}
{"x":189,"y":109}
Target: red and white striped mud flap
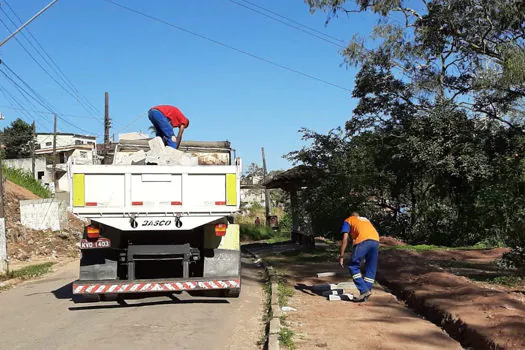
{"x":81,"y":287}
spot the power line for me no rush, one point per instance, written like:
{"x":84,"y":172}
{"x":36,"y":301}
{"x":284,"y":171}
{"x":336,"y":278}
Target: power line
{"x":37,"y":97}
{"x":29,"y":116}
{"x":293,"y":70}
{"x":292,"y":21}
{"x":286,"y":23}
{"x":41,"y":51}
{"x":130,"y":123}
{"x":45,"y":112}
{"x":38,"y":63}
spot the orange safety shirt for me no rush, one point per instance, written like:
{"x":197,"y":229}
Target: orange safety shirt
{"x":360,"y":229}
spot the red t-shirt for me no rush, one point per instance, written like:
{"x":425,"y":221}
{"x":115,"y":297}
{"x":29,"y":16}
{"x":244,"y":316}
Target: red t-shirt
{"x":176,"y":117}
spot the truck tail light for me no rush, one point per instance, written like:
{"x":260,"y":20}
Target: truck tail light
{"x":176,"y":203}
{"x":91,"y":204}
{"x":93,"y":232}
{"x":220,"y":230}
{"x":220,"y":203}
{"x":137,"y":203}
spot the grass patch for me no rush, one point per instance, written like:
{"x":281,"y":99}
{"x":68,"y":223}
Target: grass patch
{"x":267,"y":313}
{"x":286,"y":338}
{"x":26,"y":180}
{"x":256,"y":232}
{"x":313,"y":255}
{"x":507,"y":281}
{"x":284,"y":292}
{"x":29,"y":272}
{"x":279,"y":238}
{"x":417,"y":248}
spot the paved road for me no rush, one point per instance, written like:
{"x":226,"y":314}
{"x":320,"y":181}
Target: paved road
{"x":41,"y":315}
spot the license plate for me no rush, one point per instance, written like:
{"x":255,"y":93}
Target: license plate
{"x":100,"y":243}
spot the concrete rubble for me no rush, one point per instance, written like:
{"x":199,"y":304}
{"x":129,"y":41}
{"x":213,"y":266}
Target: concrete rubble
{"x":159,"y":154}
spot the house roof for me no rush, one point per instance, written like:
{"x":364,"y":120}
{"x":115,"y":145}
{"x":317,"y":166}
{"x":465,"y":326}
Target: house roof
{"x":293,"y":179}
{"x":67,"y":134}
{"x":64,"y":149}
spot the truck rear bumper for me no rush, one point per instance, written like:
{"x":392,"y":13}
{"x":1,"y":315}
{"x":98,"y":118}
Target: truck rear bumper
{"x":148,"y":286}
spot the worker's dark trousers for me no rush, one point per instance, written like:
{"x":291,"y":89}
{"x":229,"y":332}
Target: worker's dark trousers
{"x":369,"y":251}
{"x":162,"y":126}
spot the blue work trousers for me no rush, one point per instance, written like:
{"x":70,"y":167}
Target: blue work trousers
{"x":162,"y":126}
{"x":368,"y":250}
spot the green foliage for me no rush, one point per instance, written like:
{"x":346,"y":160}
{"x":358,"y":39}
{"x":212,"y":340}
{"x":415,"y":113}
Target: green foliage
{"x":26,"y":180}
{"x":256,"y":232}
{"x":31,"y":271}
{"x":433,"y":151}
{"x":514,"y":259}
{"x":17,"y":138}
{"x":284,"y":292}
{"x":286,"y":338}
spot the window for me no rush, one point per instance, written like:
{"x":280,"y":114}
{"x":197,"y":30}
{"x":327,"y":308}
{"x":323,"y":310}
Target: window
{"x":40,"y":175}
{"x":78,"y":142}
{"x":49,"y":144}
{"x":83,"y":155}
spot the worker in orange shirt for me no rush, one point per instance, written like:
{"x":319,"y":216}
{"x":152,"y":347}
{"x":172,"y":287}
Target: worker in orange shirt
{"x":365,"y":246}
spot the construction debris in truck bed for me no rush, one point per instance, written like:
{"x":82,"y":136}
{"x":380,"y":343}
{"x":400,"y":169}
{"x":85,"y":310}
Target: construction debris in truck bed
{"x":154,"y":152}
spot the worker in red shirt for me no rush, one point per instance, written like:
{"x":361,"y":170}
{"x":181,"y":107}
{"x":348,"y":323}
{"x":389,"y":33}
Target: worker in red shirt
{"x":164,"y":118}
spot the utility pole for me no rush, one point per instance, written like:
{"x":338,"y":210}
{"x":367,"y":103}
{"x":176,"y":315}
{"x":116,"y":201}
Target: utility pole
{"x":55,"y":181}
{"x":33,"y":156}
{"x":29,"y":21}
{"x":266,"y":191}
{"x":107,"y":126}
{"x":3,"y":239}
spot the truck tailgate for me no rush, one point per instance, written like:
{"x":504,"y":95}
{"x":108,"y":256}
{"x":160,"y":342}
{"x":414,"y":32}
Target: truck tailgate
{"x":113,"y":189}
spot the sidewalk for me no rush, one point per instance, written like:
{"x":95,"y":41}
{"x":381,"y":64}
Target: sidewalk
{"x":380,"y":323}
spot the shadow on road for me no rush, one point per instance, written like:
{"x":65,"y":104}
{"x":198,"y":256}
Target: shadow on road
{"x":310,"y":290}
{"x":122,"y":303}
{"x":65,"y":292}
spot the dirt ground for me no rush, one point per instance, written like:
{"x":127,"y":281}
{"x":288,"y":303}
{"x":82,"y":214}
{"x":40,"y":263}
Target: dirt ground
{"x":381,"y":323}
{"x":447,"y":286}
{"x":27,"y":245}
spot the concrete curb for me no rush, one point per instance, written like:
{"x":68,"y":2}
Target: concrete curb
{"x":274,"y":329}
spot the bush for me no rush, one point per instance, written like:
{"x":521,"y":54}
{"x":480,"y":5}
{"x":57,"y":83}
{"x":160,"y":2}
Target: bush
{"x":256,"y":232}
{"x":26,"y":180}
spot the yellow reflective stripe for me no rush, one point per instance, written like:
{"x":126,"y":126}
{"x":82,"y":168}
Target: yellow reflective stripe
{"x":79,"y":190}
{"x":231,"y":189}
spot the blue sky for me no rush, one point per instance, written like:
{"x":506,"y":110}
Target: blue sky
{"x":226,"y":95}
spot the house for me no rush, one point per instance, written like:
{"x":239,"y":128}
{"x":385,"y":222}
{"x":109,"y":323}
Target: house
{"x":45,"y":140}
{"x":252,"y":191}
{"x":79,"y":148}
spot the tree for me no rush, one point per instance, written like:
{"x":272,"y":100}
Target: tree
{"x":17,"y":139}
{"x":433,"y":149}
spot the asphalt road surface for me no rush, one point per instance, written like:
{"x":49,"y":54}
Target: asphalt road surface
{"x":41,"y":315}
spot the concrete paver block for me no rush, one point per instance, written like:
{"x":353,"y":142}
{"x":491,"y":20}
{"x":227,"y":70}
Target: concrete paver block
{"x":342,"y":297}
{"x":156,"y":145}
{"x":333,"y":292}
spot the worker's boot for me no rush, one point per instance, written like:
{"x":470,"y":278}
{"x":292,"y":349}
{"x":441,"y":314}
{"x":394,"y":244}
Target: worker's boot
{"x":363,"y":296}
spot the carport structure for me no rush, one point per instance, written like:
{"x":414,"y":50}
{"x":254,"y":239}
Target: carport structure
{"x":293,"y":181}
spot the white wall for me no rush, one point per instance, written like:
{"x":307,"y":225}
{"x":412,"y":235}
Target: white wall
{"x":46,"y":141}
{"x":26,"y":164}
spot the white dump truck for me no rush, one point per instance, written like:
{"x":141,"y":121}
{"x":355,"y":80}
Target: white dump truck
{"x":157,"y":228}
